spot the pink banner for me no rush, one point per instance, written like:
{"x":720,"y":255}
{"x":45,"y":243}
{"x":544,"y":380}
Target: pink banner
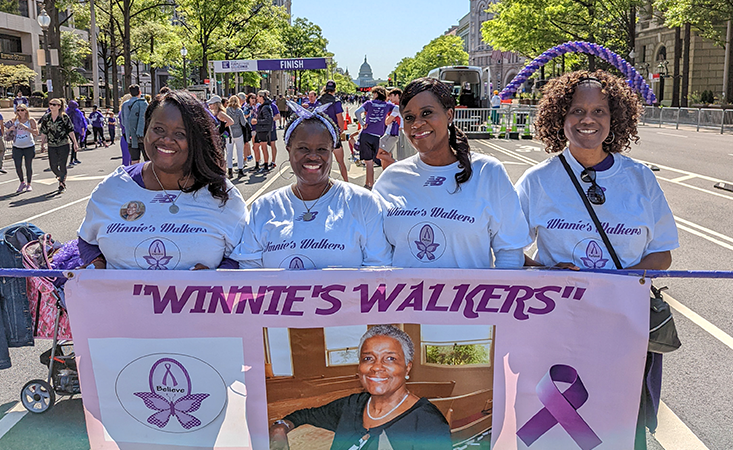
{"x":179,"y":359}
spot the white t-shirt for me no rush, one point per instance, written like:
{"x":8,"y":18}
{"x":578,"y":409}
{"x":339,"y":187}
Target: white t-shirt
{"x":430,"y":225}
{"x":396,"y":113}
{"x":346,"y":231}
{"x":635,"y":215}
{"x":134,"y":228}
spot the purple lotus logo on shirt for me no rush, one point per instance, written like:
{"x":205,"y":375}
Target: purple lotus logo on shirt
{"x":296,"y":264}
{"x":170,"y":395}
{"x":594,"y":256}
{"x":427,"y":242}
{"x":157,"y":257}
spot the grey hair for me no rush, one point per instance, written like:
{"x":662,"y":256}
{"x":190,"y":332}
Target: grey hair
{"x":408,"y":348}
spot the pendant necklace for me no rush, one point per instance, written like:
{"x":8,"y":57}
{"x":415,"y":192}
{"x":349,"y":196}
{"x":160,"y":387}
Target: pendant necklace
{"x":173,"y":209}
{"x":369,"y":402}
{"x":308,"y":215}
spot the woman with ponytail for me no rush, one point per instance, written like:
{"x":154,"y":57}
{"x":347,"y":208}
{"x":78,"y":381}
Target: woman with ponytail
{"x":445,"y":206}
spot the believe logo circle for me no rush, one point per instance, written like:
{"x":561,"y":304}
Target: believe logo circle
{"x":172,"y":393}
{"x":297,"y":262}
{"x":157,"y":254}
{"x":426,"y":241}
{"x":589,"y":253}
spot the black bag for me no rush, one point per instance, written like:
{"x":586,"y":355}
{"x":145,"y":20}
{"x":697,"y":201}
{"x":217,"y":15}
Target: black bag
{"x":662,"y":330}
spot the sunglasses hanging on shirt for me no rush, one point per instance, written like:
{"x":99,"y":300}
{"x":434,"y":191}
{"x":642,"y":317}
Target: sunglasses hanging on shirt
{"x":595,"y":193}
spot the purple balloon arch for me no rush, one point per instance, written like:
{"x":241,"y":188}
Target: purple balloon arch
{"x":635,"y":80}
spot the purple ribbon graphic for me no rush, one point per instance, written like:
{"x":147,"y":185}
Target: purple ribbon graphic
{"x":560,"y":407}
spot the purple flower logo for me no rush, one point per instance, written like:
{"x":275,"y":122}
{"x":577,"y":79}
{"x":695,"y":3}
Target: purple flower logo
{"x":426,"y":245}
{"x":170,"y":395}
{"x":156,"y":257}
{"x":594,"y":256}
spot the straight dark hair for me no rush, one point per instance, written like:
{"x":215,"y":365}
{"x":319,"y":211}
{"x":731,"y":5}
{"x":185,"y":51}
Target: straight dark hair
{"x":205,"y":162}
{"x":457,"y":140}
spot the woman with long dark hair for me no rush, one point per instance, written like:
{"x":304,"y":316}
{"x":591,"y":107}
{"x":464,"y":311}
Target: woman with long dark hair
{"x":175,"y":211}
{"x":447,"y":206}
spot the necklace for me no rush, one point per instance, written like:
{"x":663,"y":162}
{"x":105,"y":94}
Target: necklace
{"x":369,"y":402}
{"x":308,"y":215}
{"x":172,"y":208}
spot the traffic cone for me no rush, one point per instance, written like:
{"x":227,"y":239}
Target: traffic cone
{"x":347,"y":122}
{"x":526,"y":134}
{"x":514,"y":133}
{"x":502,"y":128}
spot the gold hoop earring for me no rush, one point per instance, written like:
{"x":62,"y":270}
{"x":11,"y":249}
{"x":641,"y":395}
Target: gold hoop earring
{"x":560,"y":138}
{"x":612,"y":136}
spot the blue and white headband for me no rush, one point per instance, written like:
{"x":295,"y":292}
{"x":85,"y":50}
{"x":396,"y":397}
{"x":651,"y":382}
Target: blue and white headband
{"x":304,"y":114}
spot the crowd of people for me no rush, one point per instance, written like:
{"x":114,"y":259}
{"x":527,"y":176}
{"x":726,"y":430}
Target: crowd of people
{"x":445,"y":207}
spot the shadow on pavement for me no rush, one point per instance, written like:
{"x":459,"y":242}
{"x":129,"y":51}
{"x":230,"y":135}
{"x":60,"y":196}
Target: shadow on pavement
{"x":62,"y":426}
{"x":30,"y":200}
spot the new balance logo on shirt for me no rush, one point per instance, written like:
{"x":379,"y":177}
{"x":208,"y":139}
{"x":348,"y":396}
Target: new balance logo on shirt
{"x":434,"y":181}
{"x":163,"y":198}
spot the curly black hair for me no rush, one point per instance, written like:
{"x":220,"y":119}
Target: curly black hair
{"x":557,"y":97}
{"x":205,"y":161}
{"x":457,"y":140}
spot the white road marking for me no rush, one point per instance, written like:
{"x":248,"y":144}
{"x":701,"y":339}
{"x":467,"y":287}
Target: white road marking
{"x":9,"y":181}
{"x":672,"y":134}
{"x":510,"y":153}
{"x":698,"y":320}
{"x":269,"y":182}
{"x":683,"y":178}
{"x":684,"y":172}
{"x":673,"y":434}
{"x":701,"y":228}
{"x":84,"y":177}
{"x":11,"y":418}
{"x":29,"y":219}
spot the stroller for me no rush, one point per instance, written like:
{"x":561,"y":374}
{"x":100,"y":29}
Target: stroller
{"x":48,"y":311}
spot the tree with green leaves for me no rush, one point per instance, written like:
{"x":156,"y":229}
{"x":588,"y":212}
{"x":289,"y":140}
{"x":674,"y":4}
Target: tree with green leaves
{"x":15,"y":75}
{"x":446,"y":50}
{"x":73,"y":55}
{"x":708,"y":17}
{"x":230,"y":28}
{"x":304,"y":39}
{"x":529,"y":27}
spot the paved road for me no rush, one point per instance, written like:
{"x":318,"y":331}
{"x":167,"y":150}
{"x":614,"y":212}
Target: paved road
{"x":698,"y":399}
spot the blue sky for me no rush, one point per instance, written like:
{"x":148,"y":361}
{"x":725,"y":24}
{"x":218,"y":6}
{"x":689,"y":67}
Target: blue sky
{"x":385,"y":30}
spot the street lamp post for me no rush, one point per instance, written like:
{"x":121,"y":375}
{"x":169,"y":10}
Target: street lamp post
{"x":184,"y":53}
{"x":44,"y":20}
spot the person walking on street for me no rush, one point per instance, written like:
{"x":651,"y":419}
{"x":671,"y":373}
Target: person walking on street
{"x":263,"y":126}
{"x":2,"y":144}
{"x":281,"y":106}
{"x":273,"y":134}
{"x":97,"y":119}
{"x":111,"y":125}
{"x":241,"y":132}
{"x":495,"y":105}
{"x":389,"y":141}
{"x":376,"y":111}
{"x":335,"y":112}
{"x":19,"y":99}
{"x":133,"y":112}
{"x":223,"y":120}
{"x":24,"y":129}
{"x":80,"y":128}
{"x":56,"y":130}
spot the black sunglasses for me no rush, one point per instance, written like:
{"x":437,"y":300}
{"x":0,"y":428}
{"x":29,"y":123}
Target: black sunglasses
{"x":595,"y":193}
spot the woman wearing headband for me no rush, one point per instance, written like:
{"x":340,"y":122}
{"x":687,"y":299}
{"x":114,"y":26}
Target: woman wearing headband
{"x":445,"y":206}
{"x":315,"y":222}
{"x":589,"y":119}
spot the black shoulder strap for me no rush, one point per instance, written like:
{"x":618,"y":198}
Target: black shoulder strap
{"x":592,"y":213}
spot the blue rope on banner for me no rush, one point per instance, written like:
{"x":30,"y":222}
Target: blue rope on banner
{"x":24,"y":273}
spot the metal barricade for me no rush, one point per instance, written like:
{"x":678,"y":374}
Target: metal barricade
{"x":710,"y":118}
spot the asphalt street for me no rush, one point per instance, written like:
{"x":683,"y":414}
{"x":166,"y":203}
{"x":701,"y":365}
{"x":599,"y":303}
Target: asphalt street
{"x":697,"y":395}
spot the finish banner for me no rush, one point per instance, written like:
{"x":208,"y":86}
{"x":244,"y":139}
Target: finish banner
{"x":254,"y":65}
{"x":515,"y":359}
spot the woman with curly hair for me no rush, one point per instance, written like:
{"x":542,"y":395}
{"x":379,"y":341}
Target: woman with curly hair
{"x":588,"y":119}
{"x":175,"y":211}
{"x":445,"y":206}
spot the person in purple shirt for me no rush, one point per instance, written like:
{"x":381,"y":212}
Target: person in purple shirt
{"x":97,"y":119}
{"x":376,"y":111}
{"x":80,"y":128}
{"x":336,"y":113}
{"x":18,"y":100}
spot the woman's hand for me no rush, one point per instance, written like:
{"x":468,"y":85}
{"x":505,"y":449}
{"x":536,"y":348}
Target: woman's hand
{"x":386,"y":158}
{"x":98,"y":263}
{"x":566,"y":265}
{"x":199,"y":266}
{"x":279,"y":437}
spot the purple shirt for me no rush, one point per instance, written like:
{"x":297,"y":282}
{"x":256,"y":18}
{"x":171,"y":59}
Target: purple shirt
{"x":376,"y":113}
{"x":89,"y":252}
{"x":97,"y":119}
